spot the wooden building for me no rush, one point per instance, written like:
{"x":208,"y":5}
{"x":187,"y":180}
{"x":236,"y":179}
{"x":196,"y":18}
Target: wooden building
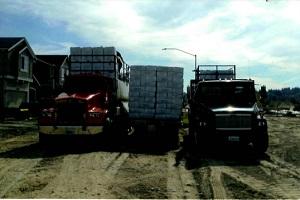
{"x":49,"y":74}
{"x":16,"y":62}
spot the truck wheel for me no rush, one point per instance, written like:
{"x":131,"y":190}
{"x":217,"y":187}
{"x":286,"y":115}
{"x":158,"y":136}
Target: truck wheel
{"x":174,"y":140}
{"x":189,"y":143}
{"x":172,"y":137}
{"x":260,"y":142}
{"x":43,"y":139}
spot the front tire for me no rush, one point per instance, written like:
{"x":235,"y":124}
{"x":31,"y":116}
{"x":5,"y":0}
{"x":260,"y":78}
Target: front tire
{"x":44,"y":139}
{"x":173,"y":138}
{"x":261,"y":142}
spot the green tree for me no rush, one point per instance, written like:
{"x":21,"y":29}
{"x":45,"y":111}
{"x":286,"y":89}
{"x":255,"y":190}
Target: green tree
{"x":263,"y":97}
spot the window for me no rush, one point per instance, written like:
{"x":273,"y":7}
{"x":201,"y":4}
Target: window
{"x":62,"y":75}
{"x":24,"y":63}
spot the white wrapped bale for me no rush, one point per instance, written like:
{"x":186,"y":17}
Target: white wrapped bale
{"x":169,"y":92}
{"x":109,"y":54}
{"x":98,"y":54}
{"x":75,"y":51}
{"x":81,"y":54}
{"x":150,"y":100}
{"x":86,"y":66}
{"x":86,"y":58}
{"x":74,"y":72}
{"x":142,"y":92}
{"x":97,"y":66}
{"x":97,"y":59}
{"x":75,"y":54}
{"x":75,"y":58}
{"x":136,"y":83}
{"x":75,"y":66}
{"x":133,"y":92}
{"x":161,"y":87}
{"x":87,"y":51}
{"x":108,"y":66}
{"x":97,"y":51}
{"x":109,"y":50}
{"x":135,"y":80}
{"x":109,"y":74}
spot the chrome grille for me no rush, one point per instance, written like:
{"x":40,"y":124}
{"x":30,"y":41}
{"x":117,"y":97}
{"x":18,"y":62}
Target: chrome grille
{"x":233,"y":121}
{"x":70,"y":112}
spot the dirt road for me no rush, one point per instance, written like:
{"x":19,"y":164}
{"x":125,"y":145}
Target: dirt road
{"x":76,"y":170}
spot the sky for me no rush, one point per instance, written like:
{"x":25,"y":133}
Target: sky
{"x":260,"y":37}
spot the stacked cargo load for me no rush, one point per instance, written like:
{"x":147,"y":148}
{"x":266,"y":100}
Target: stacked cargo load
{"x":142,"y":91}
{"x":94,"y":59}
{"x":105,"y":61}
{"x":169,"y":92}
{"x":155,"y":92}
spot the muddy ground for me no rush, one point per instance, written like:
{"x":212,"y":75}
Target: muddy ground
{"x":144,"y":169}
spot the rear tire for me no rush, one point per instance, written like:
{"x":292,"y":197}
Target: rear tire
{"x":261,"y":142}
{"x":174,"y":139}
{"x":43,"y":139}
{"x":189,"y":143}
{"x":170,"y":137}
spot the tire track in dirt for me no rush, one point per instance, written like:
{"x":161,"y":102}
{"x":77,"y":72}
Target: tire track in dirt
{"x":38,"y":178}
{"x":282,"y":167}
{"x":35,"y":179}
{"x":289,"y":176}
{"x":85,"y":176}
{"x":219,"y":192}
{"x":202,"y":176}
{"x":278,"y":190}
{"x":142,"y":176}
{"x":114,"y":166}
{"x":284,"y":184}
{"x":181,"y":183}
{"x":17,"y":142}
{"x":15,"y":171}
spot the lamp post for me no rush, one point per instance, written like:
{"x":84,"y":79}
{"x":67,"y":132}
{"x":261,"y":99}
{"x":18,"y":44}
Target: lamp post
{"x":185,"y":53}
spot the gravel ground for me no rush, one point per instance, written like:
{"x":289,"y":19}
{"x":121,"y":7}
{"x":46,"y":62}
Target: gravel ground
{"x":142,"y":169}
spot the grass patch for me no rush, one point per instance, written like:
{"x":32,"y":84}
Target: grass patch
{"x":185,"y":120}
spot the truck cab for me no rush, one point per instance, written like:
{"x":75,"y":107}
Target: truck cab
{"x":226,"y":111}
{"x":83,"y":107}
{"x":94,"y":98}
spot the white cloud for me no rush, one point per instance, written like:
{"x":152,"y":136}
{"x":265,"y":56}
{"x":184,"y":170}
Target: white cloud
{"x":235,"y":32}
{"x":269,"y":82}
{"x":52,"y":48}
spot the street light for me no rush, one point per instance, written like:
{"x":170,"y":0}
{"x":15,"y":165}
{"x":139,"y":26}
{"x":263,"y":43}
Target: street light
{"x":186,"y":53}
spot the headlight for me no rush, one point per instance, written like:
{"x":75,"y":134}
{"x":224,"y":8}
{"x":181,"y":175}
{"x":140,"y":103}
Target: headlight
{"x":46,"y":114}
{"x":202,"y":124}
{"x":261,"y":123}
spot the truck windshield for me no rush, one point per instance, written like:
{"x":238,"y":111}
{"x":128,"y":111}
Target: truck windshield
{"x":221,"y":94}
{"x":85,"y":84}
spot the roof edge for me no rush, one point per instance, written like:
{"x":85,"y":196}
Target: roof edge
{"x":29,"y":47}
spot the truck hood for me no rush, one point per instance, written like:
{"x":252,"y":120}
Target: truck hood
{"x":227,"y":109}
{"x":90,"y":99}
{"x":78,"y":95}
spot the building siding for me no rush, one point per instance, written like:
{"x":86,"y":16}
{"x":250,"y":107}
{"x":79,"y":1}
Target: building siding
{"x":15,"y":83}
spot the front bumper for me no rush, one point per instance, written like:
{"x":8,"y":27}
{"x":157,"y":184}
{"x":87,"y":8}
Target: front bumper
{"x":70,"y":130}
{"x":233,"y":136}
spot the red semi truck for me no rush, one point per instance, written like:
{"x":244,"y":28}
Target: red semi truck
{"x":94,"y":99}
